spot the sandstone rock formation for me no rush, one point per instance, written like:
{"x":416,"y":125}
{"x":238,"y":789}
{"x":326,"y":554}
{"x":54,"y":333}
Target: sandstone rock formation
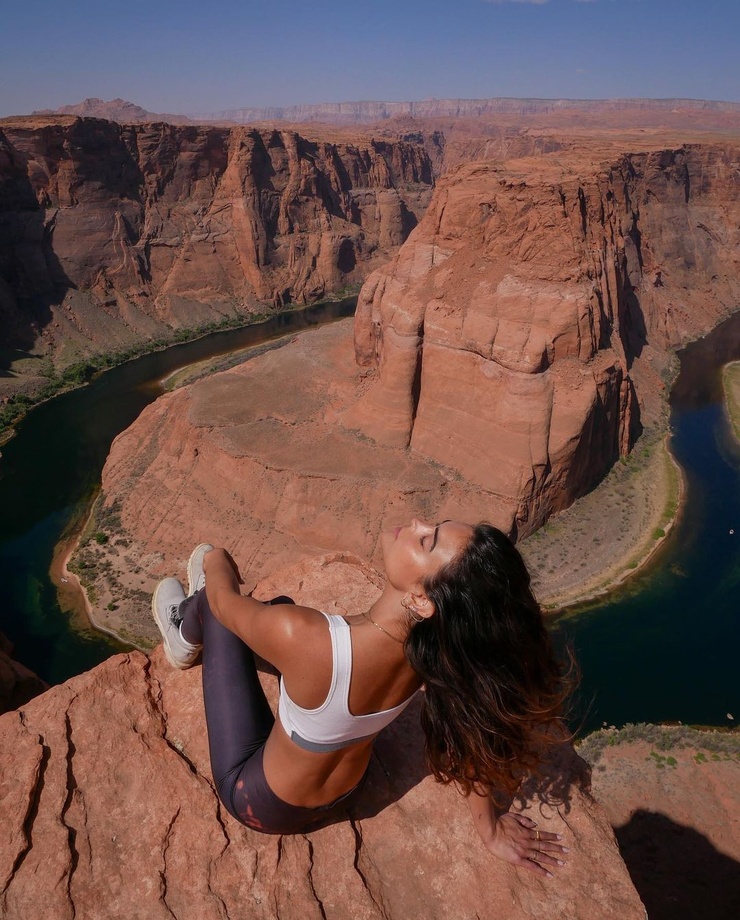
{"x":363,"y":112}
{"x":108,"y":811}
{"x":672,"y":795}
{"x":509,"y":333}
{"x":255,"y":459}
{"x":111,"y":234}
{"x":507,"y":357}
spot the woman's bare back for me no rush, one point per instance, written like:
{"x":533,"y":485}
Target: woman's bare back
{"x":381,"y":679}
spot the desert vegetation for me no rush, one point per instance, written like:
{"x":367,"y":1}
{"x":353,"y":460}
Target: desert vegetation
{"x":670,"y":743}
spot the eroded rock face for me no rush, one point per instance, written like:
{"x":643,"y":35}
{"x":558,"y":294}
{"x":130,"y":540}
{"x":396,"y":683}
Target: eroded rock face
{"x":259,"y":459}
{"x":111,"y":233}
{"x":500,"y":364}
{"x":506,"y":335}
{"x":108,"y":810}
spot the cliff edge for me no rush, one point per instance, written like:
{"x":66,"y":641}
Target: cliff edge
{"x":107,"y":810}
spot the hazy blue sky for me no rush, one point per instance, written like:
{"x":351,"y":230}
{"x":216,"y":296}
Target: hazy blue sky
{"x":185,"y":56}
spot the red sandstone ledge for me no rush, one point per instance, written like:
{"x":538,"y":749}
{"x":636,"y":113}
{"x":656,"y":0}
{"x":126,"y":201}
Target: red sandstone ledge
{"x":108,"y":810}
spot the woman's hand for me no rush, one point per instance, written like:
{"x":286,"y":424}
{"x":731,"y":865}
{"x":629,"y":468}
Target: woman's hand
{"x":516,"y":840}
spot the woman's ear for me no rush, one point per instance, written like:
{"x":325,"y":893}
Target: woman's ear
{"x":419,"y":605}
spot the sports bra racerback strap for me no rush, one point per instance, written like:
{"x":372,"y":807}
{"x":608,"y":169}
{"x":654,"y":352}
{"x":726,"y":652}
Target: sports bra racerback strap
{"x":331,"y":726}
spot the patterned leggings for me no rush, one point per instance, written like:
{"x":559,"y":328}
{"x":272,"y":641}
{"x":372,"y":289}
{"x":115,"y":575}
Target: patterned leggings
{"x":239,"y":721}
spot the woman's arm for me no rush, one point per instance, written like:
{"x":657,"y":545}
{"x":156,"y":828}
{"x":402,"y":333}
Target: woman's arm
{"x":270,"y":631}
{"x":515,"y":838}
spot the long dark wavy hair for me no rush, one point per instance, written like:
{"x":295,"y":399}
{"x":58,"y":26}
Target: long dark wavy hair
{"x":494,"y":687}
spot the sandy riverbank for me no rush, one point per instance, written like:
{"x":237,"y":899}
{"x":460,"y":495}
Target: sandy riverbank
{"x":609,"y":534}
{"x":71,"y":594}
{"x":731,"y":383}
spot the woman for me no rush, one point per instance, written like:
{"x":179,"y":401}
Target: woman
{"x":456,"y":615}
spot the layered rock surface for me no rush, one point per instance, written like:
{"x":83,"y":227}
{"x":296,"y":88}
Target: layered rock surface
{"x":359,"y":112}
{"x":108,"y":811}
{"x":257,"y":459}
{"x":508,"y":336}
{"x":499,"y":365}
{"x":110,"y":234}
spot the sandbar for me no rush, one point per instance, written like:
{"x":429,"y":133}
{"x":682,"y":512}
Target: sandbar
{"x":609,"y":534}
{"x":731,"y":384}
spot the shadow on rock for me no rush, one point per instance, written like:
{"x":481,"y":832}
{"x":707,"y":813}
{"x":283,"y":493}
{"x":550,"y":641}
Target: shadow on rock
{"x":397,"y":765}
{"x":559,"y":774}
{"x":677,"y":872}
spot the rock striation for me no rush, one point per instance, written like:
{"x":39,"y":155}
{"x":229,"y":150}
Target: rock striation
{"x":498,"y":366}
{"x":509,"y":337}
{"x":359,"y":112}
{"x":111,"y":234}
{"x":108,"y":811}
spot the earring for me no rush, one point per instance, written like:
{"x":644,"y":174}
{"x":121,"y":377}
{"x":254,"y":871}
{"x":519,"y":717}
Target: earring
{"x":411,"y":610}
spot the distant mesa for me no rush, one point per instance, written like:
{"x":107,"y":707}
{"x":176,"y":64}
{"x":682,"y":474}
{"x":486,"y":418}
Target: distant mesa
{"x":368,"y":112}
{"x":119,"y":110}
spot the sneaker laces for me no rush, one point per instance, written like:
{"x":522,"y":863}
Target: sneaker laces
{"x":173,"y":614}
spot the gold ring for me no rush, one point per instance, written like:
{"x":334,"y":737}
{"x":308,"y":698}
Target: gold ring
{"x":537,"y":835}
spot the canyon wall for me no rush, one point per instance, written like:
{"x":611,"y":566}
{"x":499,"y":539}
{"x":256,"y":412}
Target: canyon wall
{"x":111,"y":234}
{"x":507,"y":337}
{"x":497,"y":367}
{"x":108,"y":810}
{"x":359,"y":112}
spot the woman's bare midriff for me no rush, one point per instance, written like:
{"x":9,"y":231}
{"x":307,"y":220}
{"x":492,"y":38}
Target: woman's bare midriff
{"x":381,"y":679}
{"x":304,"y":778}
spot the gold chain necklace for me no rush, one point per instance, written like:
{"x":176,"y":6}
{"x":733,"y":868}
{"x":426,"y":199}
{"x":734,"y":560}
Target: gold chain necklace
{"x":367,"y":616}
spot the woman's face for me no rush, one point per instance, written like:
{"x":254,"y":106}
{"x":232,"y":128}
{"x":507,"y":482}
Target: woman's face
{"x":416,"y":551}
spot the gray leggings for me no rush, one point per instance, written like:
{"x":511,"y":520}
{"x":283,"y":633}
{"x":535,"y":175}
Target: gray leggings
{"x":239,"y":721}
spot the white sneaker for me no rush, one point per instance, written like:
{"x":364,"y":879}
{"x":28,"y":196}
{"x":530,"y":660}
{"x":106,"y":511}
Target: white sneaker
{"x":166,"y":600}
{"x":196,"y":575}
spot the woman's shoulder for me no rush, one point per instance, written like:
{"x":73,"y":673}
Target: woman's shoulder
{"x":301,"y":621}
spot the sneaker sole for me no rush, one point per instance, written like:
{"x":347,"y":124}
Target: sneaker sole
{"x":195,"y":565}
{"x":165,"y":644}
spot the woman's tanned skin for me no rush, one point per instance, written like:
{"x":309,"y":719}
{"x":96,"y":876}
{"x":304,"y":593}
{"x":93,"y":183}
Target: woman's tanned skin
{"x":296,"y":641}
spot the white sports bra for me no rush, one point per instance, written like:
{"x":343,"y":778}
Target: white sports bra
{"x":332,"y":726}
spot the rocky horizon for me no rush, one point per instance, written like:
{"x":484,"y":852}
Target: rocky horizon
{"x":369,"y":111}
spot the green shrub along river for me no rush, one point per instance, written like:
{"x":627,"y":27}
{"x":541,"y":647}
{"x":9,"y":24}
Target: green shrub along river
{"x":660,"y":648}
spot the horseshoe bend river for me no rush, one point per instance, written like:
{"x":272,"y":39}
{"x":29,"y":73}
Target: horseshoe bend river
{"x":661,"y":647}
